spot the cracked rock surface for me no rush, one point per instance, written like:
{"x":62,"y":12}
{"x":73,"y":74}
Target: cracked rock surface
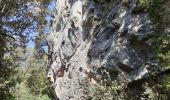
{"x":90,"y":36}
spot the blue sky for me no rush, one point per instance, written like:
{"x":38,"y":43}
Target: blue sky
{"x":31,"y":44}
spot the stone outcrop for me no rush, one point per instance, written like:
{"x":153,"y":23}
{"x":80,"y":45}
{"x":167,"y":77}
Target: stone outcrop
{"x":90,"y":37}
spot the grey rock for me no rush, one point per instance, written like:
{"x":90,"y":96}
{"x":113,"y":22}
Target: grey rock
{"x":96,"y":35}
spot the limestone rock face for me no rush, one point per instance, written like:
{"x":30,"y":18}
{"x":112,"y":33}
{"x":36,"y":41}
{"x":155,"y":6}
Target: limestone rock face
{"x":90,"y":36}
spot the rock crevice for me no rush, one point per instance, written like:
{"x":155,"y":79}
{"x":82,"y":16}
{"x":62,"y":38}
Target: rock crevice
{"x":89,"y":36}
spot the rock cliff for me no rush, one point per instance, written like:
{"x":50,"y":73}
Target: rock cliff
{"x":90,"y":39}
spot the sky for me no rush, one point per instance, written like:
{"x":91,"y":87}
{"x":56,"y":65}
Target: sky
{"x":31,"y":44}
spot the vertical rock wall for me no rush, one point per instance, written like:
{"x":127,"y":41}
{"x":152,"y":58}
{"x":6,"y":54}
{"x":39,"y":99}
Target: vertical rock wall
{"x":91,"y":36}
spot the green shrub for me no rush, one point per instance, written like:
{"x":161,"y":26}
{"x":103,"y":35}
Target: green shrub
{"x":161,"y":38}
{"x":108,"y":89}
{"x":106,"y":92}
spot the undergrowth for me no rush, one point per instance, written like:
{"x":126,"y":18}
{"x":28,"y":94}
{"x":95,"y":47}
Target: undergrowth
{"x":157,"y":13}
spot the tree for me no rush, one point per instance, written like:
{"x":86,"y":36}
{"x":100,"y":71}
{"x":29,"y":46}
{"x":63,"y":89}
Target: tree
{"x":33,"y":83}
{"x":18,"y":20}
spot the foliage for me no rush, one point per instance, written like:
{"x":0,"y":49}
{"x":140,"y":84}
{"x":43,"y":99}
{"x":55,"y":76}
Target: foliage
{"x":37,"y":78}
{"x":101,"y":91}
{"x":152,"y":7}
{"x":32,"y":82}
{"x":162,"y":38}
{"x":7,"y":63}
{"x":18,"y":18}
{"x":164,"y":55}
{"x":108,"y":89}
{"x":159,"y":11}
